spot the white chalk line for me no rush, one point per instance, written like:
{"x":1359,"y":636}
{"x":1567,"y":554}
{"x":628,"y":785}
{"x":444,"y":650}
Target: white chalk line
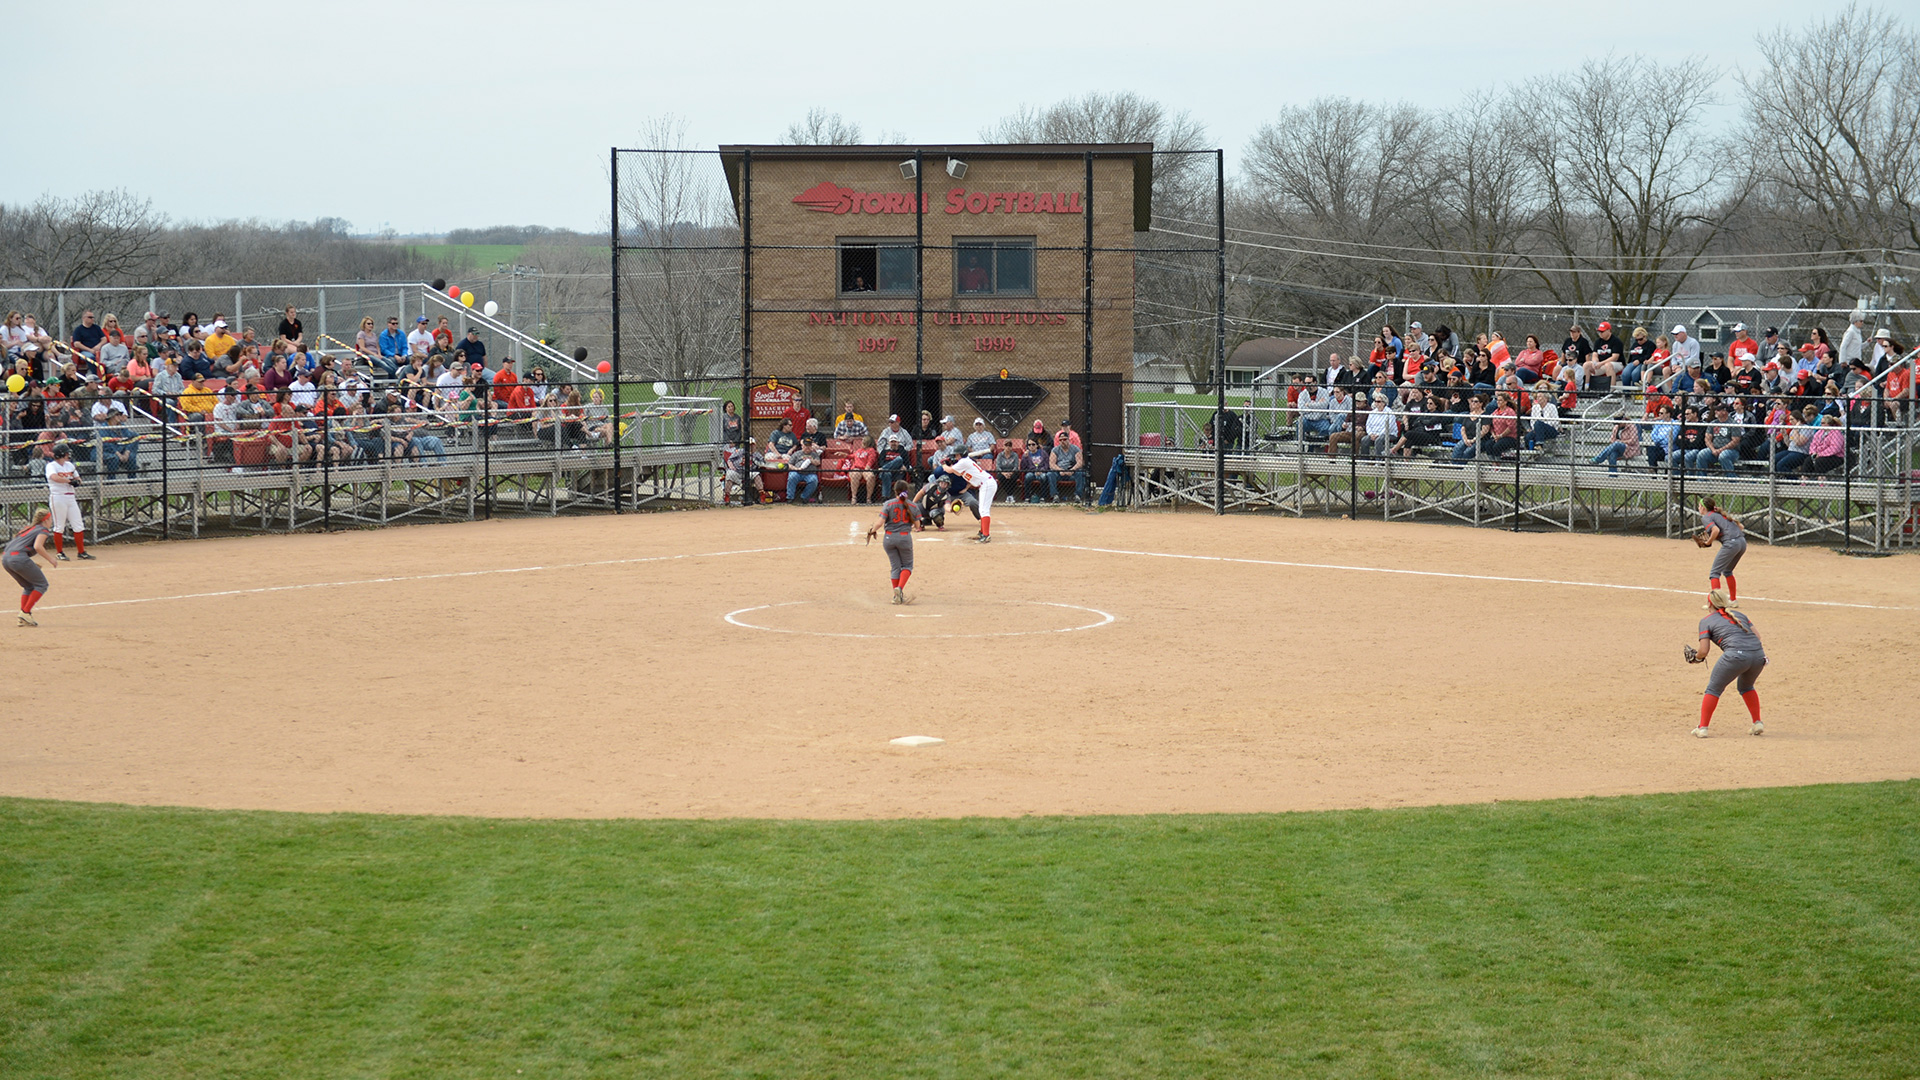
{"x":435,"y":577}
{"x":1447,"y":574}
{"x":1105,"y":619}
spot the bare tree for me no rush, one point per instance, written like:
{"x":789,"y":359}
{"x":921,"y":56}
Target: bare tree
{"x":1832,"y":126}
{"x":822,"y":128}
{"x":680,"y":284}
{"x":1477,"y":202}
{"x":1633,"y":188}
{"x":1344,"y":179}
{"x":1181,"y":174}
{"x":99,"y":238}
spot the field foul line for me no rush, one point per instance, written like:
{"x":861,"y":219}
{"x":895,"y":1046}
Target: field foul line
{"x":436,"y":577}
{"x":1446,"y":574}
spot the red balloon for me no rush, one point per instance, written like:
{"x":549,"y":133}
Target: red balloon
{"x":606,"y":366}
{"x":453,"y":291}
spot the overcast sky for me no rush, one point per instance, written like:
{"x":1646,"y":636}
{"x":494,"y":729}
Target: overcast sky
{"x":426,"y":117}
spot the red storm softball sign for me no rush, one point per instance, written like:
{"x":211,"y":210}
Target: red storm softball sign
{"x":827,"y":197}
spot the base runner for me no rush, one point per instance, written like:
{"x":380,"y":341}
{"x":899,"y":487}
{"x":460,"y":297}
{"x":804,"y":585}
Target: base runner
{"x":899,"y":516}
{"x":1716,"y":525}
{"x":62,"y":475}
{"x":18,"y":562}
{"x":1741,"y":659}
{"x":969,"y":470}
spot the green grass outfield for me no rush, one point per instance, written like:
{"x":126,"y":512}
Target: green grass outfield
{"x":1756,"y":933}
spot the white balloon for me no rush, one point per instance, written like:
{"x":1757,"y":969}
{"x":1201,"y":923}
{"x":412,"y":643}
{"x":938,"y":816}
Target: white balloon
{"x":491,"y":309}
{"x":660,"y":389}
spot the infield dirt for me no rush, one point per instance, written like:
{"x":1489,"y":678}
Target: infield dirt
{"x":586,"y":667}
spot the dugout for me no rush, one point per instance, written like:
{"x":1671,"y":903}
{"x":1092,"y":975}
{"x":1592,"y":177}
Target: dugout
{"x":974,"y":280}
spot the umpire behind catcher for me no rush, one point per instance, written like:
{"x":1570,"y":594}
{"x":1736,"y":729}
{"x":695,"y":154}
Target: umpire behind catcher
{"x":1741,"y":659}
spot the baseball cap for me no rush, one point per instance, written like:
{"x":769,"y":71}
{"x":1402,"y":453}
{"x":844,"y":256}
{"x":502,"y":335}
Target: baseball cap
{"x":1739,"y":326}
{"x":1882,"y":333}
{"x":1678,"y":330}
{"x":1416,"y":326}
{"x":421,"y":319}
{"x":1772,"y":331}
{"x":978,"y":421}
{"x":893,"y":418}
{"x":219,"y":324}
{"x":1604,"y":327}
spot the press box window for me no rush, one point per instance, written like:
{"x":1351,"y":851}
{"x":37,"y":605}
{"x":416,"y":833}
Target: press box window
{"x":876,"y":265}
{"x":993,"y":268}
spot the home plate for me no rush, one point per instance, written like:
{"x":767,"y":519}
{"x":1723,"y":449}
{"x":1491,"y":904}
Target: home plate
{"x":915,"y":740}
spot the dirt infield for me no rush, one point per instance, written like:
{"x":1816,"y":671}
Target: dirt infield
{"x":748,"y":663}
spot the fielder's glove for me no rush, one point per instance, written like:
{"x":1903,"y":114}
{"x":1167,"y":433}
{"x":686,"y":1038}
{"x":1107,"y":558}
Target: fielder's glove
{"x":1692,"y":654}
{"x":1700,"y":540}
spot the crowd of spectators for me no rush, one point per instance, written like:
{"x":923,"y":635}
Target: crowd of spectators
{"x":241,"y":399}
{"x":1040,"y":466}
{"x":1670,"y":405}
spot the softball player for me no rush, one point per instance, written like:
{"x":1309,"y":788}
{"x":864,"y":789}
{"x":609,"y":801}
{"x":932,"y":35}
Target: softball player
{"x":965,"y":468}
{"x":900,"y":516}
{"x":1741,"y":659}
{"x":18,"y":561}
{"x":62,"y":475}
{"x":1716,"y":525}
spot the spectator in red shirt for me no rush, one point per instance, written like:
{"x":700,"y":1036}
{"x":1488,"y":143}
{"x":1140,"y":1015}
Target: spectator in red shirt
{"x":860,"y":471}
{"x":504,"y":384}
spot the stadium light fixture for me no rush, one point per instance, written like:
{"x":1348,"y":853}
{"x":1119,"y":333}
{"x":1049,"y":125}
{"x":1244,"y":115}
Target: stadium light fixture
{"x":908,"y":170}
{"x":956,"y":168}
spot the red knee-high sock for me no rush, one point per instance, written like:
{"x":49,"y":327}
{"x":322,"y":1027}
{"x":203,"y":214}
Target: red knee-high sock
{"x":1708,"y":702}
{"x":904,"y":575}
{"x":986,"y":526}
{"x":27,"y":601}
{"x":1713,"y":582}
{"x":59,"y":543}
{"x":1752,"y":698}
{"x":1733,"y":588}
{"x":80,"y":540}
{"x":896,"y":580}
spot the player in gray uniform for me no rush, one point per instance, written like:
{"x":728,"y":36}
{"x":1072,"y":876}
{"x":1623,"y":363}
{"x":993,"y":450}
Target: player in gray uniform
{"x":18,"y":561}
{"x":1742,"y":658}
{"x":899,"y":516}
{"x":1716,"y":525}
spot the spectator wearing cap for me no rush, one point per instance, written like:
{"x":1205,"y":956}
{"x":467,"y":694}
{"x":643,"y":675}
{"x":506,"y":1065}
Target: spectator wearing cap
{"x":474,"y":351}
{"x":1072,"y":435}
{"x":894,"y":444}
{"x":950,"y":432}
{"x":849,"y":424}
{"x":803,"y":468}
{"x":1882,"y":346}
{"x":1685,"y":350}
{"x":197,"y":401}
{"x":393,"y":346}
{"x":420,"y":341}
{"x":1743,"y":347}
{"x":1609,"y":360}
{"x":980,"y":441}
{"x":303,"y":394}
{"x":219,"y":342}
{"x":167,"y":382}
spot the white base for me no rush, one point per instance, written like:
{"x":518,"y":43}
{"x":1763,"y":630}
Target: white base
{"x":916,"y":740}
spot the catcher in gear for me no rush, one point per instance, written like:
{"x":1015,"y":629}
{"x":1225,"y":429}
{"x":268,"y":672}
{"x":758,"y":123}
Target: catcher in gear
{"x":1742,"y":658}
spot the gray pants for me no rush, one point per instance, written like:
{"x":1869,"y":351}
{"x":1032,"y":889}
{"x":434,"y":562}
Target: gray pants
{"x":1727,"y":557}
{"x":1731,"y":666}
{"x":26,"y":572}
{"x":899,"y":551}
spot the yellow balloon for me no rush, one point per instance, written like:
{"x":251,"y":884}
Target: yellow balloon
{"x":466,"y":299}
{"x":15,"y":384}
